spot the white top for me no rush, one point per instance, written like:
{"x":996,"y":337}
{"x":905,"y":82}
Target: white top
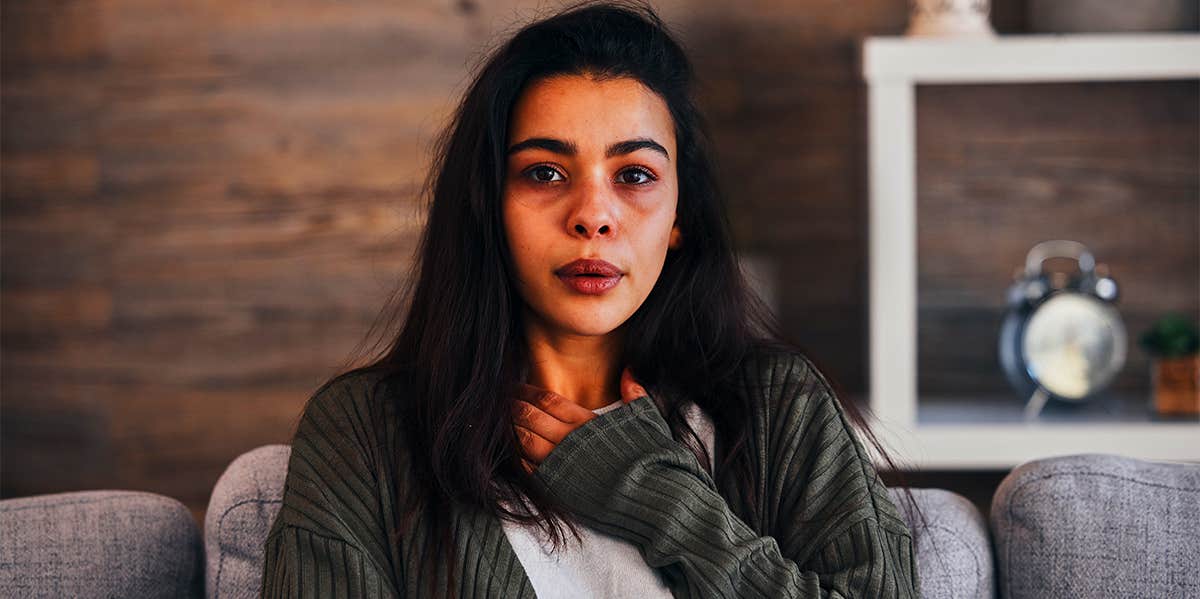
{"x":602,"y":565}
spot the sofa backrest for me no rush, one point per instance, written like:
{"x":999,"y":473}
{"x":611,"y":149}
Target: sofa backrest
{"x":1098,"y":526}
{"x":99,"y":544}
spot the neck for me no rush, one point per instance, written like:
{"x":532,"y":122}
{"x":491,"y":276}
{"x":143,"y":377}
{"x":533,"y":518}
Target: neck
{"x":585,"y":369}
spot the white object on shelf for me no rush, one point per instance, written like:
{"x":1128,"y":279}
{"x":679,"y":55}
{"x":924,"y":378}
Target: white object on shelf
{"x":957,"y":18}
{"x":892,"y":67}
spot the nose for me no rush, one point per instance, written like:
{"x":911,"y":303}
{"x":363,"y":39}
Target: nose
{"x":586,"y":231}
{"x":593,"y":213}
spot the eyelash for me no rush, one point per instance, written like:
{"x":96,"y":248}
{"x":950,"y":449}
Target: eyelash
{"x":528,"y":174}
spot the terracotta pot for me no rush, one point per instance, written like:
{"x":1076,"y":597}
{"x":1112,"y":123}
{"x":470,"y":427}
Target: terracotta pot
{"x":1177,"y":385}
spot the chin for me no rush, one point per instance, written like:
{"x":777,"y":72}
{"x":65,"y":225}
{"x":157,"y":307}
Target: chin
{"x":591,"y":327}
{"x":589,"y":322}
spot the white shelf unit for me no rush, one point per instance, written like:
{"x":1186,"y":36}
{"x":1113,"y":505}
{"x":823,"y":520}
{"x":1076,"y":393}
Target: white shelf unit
{"x":987,"y":438}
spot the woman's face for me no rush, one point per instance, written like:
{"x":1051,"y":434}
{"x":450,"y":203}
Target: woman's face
{"x":590,"y":175}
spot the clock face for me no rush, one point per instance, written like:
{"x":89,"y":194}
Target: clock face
{"x":1074,"y":344}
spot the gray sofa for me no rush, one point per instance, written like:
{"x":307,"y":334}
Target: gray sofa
{"x":1089,"y":525}
{"x":99,"y":544}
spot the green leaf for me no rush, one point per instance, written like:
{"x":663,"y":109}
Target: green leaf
{"x":1171,"y":336}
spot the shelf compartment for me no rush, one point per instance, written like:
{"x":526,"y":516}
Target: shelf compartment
{"x":932,"y":433}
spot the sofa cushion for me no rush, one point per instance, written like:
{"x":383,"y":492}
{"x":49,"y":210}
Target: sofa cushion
{"x":954,"y":549}
{"x":1098,"y":525}
{"x":99,"y":544}
{"x":243,"y":505}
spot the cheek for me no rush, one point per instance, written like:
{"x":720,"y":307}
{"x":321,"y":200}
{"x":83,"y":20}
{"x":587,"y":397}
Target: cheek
{"x":515,"y":224}
{"x":653,"y":244}
{"x":664,"y":222}
{"x":524,"y":237}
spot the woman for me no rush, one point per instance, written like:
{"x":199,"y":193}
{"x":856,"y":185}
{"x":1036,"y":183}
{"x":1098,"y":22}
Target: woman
{"x":580,"y":349}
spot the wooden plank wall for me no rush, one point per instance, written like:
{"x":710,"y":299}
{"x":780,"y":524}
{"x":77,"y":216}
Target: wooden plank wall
{"x":205,"y":205}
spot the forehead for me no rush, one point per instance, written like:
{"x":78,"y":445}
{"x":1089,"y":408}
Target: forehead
{"x":591,"y":112}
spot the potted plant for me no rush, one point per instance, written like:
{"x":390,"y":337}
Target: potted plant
{"x":1174,"y":343}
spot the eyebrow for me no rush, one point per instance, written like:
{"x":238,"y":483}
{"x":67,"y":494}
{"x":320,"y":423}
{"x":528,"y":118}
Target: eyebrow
{"x":570,"y":149}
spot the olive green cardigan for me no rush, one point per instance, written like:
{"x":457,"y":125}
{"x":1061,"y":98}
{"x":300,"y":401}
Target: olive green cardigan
{"x":825,"y":527}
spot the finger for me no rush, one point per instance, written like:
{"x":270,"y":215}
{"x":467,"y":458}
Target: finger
{"x":538,"y":421}
{"x":556,"y":405}
{"x":527,"y":466}
{"x":534,"y":446}
{"x":630,"y":389}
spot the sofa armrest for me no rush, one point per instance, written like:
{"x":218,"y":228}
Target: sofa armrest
{"x":99,"y":544}
{"x":240,"y":512}
{"x":954,"y":551}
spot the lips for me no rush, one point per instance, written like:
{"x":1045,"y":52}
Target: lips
{"x":590,"y":277}
{"x":588,"y":267}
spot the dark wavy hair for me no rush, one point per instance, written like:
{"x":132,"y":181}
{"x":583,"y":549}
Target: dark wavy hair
{"x":461,"y":348}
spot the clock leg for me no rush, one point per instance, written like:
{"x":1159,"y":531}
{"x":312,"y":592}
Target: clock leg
{"x":1036,"y":402}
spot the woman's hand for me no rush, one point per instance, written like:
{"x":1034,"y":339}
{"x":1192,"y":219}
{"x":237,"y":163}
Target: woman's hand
{"x":542,"y":418}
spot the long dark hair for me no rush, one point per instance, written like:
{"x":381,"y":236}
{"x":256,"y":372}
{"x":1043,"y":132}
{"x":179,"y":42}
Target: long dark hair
{"x":461,"y":348}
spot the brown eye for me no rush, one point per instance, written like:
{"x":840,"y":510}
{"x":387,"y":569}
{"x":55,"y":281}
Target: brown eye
{"x":542,"y":174}
{"x":645,"y":176}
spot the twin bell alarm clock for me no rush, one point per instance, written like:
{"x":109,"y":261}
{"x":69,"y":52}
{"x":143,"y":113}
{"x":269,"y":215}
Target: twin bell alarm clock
{"x":1062,"y":338}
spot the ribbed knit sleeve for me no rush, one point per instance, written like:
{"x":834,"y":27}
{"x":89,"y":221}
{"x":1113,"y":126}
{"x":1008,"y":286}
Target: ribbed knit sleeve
{"x":623,"y":473}
{"x":329,"y":537}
